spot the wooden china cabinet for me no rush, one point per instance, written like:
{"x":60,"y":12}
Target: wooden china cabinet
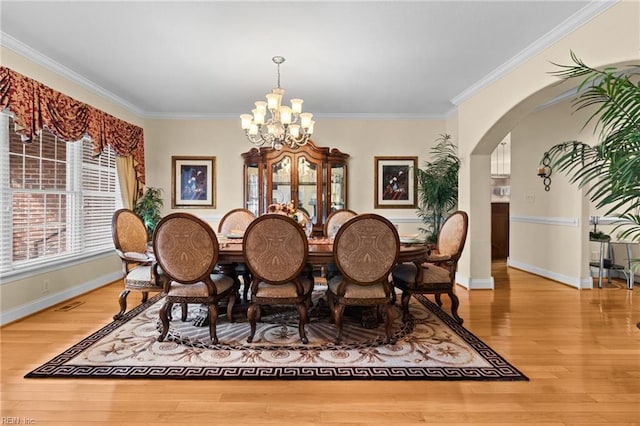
{"x":314,"y":178}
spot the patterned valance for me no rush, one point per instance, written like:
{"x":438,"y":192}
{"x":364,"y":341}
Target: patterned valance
{"x":36,"y":106}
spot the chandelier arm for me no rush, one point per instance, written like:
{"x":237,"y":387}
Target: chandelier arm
{"x":256,"y":139}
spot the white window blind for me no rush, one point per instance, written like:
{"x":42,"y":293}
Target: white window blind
{"x":57,"y":199}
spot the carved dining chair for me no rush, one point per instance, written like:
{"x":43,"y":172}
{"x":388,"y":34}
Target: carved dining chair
{"x":436,"y":275}
{"x":235,"y":222}
{"x":365,"y":249}
{"x":139,"y":272}
{"x":276,"y":250}
{"x":337,"y":218}
{"x":334,"y":221}
{"x":186,"y":249}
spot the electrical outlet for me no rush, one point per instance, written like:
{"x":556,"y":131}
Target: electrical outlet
{"x":45,"y":286}
{"x":595,"y":256}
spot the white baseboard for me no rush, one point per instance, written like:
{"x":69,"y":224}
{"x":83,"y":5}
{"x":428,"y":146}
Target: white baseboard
{"x":475,"y":283}
{"x":577,"y":282}
{"x":53,"y":299}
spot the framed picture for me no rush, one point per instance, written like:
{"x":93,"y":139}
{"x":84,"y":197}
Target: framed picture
{"x":193,"y":182}
{"x":395,"y":182}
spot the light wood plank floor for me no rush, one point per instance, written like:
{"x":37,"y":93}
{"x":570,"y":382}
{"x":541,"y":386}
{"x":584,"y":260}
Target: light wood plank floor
{"x":581,"y":350}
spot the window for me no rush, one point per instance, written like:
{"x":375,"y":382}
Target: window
{"x":57,"y":199}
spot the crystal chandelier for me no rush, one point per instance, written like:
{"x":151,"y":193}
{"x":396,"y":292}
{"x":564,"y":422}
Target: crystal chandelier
{"x":285,"y":126}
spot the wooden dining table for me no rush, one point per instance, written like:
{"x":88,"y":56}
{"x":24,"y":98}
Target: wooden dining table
{"x":320,"y":252}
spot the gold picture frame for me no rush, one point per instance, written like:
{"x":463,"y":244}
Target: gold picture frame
{"x":193,"y":182}
{"x":395,"y":182}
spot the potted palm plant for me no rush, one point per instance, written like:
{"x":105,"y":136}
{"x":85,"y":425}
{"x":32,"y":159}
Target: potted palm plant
{"x":611,"y":168}
{"x":438,"y":186}
{"x":148,"y":208}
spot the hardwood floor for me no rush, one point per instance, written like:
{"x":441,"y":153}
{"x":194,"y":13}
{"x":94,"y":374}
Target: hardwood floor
{"x":580,"y":349}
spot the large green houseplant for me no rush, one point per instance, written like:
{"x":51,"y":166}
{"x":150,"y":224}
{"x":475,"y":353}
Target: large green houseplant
{"x":611,"y":168}
{"x":148,"y":208}
{"x":438,"y":186}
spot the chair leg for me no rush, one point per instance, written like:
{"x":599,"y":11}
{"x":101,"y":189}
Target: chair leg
{"x":438,"y":299}
{"x":455,"y":302}
{"x":304,"y":318}
{"x":406,"y":296}
{"x":230,"y":305}
{"x":169,"y":311}
{"x":388,"y":327}
{"x":251,"y":316}
{"x":331,"y":306}
{"x":246,"y":278}
{"x":145,"y":296}
{"x":123,"y":304}
{"x":213,"y":320}
{"x":183,"y":316}
{"x":165,"y":320}
{"x":337,"y":313}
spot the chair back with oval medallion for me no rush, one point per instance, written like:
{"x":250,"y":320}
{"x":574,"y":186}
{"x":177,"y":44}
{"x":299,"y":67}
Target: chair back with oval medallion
{"x":337,"y":218}
{"x":235,"y":222}
{"x":437,"y":275}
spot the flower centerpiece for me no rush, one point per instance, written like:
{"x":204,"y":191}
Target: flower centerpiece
{"x":289,"y":210}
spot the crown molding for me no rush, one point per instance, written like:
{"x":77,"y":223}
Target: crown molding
{"x":40,"y":59}
{"x":572,"y":23}
{"x":345,"y":116}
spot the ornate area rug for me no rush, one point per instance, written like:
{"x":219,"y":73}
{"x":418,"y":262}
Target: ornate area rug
{"x":430,"y":347}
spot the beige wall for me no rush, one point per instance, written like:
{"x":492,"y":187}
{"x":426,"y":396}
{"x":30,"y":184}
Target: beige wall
{"x":361,"y":139}
{"x":547,"y":227}
{"x":485,"y":118}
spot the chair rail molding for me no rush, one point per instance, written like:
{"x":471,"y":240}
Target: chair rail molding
{"x":544,"y":220}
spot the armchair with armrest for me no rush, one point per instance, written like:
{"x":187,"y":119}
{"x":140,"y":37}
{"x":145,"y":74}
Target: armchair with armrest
{"x":138,"y":263}
{"x":437,"y":275}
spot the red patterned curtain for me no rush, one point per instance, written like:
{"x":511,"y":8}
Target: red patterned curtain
{"x":35,"y":106}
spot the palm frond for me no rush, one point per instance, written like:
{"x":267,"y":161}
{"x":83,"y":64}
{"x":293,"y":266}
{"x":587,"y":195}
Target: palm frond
{"x":611,"y":168}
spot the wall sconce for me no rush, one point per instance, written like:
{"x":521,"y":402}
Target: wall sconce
{"x":544,"y":171}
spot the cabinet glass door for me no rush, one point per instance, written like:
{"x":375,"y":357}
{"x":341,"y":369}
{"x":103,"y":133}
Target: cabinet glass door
{"x":281,"y":181}
{"x":308,"y":188}
{"x":252,"y":185}
{"x":338,"y":187}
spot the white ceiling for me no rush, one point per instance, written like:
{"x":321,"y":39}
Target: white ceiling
{"x":345,"y":59}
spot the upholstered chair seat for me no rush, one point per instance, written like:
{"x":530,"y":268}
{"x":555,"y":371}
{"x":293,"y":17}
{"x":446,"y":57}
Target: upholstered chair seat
{"x":283,"y":291}
{"x":366,"y":249}
{"x":437,"y":275}
{"x":354,"y":292}
{"x":222,"y":282}
{"x":138,"y":263}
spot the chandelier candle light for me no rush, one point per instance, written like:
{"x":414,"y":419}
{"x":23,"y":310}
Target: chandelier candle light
{"x":286,"y":125}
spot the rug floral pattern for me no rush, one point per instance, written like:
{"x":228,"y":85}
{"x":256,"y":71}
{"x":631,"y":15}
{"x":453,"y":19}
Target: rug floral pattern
{"x":430,"y":347}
